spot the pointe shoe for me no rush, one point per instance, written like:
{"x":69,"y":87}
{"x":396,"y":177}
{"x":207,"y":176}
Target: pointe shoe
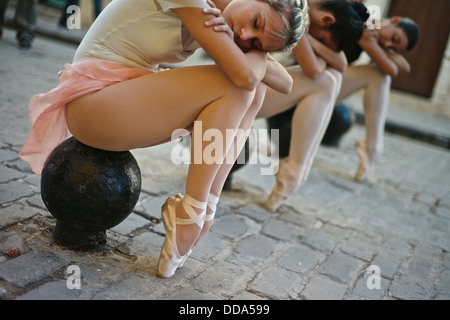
{"x":212,"y":203}
{"x":180,"y":197}
{"x":287,"y":183}
{"x":364,"y":162}
{"x":170,"y":258}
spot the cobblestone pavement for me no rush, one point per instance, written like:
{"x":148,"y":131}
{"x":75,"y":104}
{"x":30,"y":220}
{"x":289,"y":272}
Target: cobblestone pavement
{"x":330,"y":241}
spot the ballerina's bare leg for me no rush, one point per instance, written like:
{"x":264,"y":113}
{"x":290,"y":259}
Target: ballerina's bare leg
{"x":145,"y":111}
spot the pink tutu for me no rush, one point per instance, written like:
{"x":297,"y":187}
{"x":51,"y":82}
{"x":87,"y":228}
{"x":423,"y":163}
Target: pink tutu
{"x":48,"y":111}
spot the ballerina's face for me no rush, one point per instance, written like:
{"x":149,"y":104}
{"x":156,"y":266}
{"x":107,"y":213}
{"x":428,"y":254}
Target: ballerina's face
{"x":254,"y":23}
{"x":390,"y":36}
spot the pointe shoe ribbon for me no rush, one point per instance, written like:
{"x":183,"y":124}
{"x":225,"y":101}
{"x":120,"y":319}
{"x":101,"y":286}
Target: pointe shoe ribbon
{"x":170,"y":258}
{"x":212,"y":205}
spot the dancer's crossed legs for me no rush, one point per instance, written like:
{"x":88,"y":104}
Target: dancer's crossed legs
{"x":146,"y":111}
{"x":232,"y":154}
{"x":315,"y":99}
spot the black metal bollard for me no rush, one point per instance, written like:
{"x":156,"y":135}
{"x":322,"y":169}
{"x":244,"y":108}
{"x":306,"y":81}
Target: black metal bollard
{"x":88,"y":191}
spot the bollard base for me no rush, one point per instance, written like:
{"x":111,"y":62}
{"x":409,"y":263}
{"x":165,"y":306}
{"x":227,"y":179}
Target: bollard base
{"x":67,"y":236}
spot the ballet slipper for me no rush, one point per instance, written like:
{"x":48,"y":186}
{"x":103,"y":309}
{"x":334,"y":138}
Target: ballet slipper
{"x":365,"y":165}
{"x":212,"y":205}
{"x":287,"y":183}
{"x":170,"y":258}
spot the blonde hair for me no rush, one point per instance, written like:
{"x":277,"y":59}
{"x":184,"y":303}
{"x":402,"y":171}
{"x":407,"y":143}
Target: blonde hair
{"x":295,"y":16}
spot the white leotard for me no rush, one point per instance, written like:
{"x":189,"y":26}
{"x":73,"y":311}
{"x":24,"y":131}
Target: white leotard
{"x":139,"y":33}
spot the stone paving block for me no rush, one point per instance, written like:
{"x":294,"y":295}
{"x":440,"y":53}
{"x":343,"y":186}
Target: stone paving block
{"x":131,"y":288}
{"x":445,"y":283}
{"x":435,"y":231}
{"x":320,"y":241}
{"x":329,"y":196}
{"x":11,"y":239}
{"x":254,"y":212}
{"x":322,"y":288}
{"x":55,"y":290}
{"x":230,"y":226}
{"x":416,"y":282}
{"x":426,"y":198}
{"x":442,"y":211}
{"x":388,"y":263}
{"x":339,"y":234}
{"x":161,"y":186}
{"x":367,"y":288}
{"x":359,"y":248}
{"x":130,"y":224}
{"x":150,"y":207}
{"x":7,"y":155}
{"x":258,"y":246}
{"x":244,"y":259}
{"x":445,"y":201}
{"x":277,"y":283}
{"x":36,"y":201}
{"x":290,"y":215}
{"x":341,"y":267}
{"x":3,"y":291}
{"x":191,"y":294}
{"x":34,"y":180}
{"x":428,"y":252}
{"x":281,"y":230}
{"x":399,"y":247}
{"x":42,"y":263}
{"x":245,"y":295}
{"x":15,"y":190}
{"x":301,"y":259}
{"x":7,"y":174}
{"x":15,"y":213}
{"x":146,"y":243}
{"x":99,"y":270}
{"x":223,"y":279}
{"x":209,"y":247}
{"x":20,"y":165}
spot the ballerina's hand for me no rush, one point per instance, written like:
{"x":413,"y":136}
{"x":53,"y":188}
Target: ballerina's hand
{"x":218,"y":22}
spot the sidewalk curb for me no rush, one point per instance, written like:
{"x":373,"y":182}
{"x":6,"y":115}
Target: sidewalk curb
{"x":400,"y":129}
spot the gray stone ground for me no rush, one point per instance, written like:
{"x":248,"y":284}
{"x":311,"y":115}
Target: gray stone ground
{"x":324,"y":243}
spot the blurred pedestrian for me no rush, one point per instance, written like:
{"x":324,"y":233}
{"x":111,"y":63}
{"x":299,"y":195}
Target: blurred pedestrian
{"x":65,"y":15}
{"x":24,"y":20}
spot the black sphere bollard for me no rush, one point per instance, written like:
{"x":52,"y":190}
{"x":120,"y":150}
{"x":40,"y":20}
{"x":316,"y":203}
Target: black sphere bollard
{"x":88,"y":191}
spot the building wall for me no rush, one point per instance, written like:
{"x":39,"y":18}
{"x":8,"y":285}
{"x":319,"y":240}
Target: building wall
{"x":439,"y":103}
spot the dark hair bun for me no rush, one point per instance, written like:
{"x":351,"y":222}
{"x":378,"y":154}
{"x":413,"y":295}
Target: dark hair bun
{"x":361,"y":10}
